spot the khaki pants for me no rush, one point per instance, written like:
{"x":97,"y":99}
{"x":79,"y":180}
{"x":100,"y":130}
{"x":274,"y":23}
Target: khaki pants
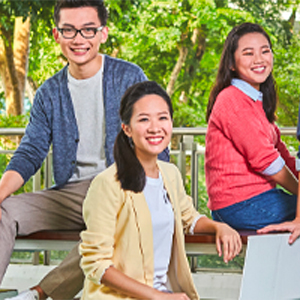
{"x":52,"y":209}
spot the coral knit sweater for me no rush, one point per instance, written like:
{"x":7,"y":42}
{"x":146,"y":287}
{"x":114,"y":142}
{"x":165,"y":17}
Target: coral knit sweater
{"x":240,"y":144}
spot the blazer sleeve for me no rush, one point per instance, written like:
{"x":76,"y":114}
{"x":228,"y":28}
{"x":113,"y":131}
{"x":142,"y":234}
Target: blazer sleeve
{"x":100,"y":211}
{"x":187,"y":209}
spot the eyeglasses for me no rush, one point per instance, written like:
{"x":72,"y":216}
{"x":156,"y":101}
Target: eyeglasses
{"x":87,"y":32}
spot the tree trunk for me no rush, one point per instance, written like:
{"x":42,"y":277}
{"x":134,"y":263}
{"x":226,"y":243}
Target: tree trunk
{"x":197,"y":47}
{"x":198,"y":40}
{"x":30,"y":88}
{"x":199,"y":44}
{"x":2,"y":62}
{"x":9,"y":77}
{"x":21,"y":51}
{"x":292,"y":17}
{"x":183,"y":51}
{"x":16,"y":57}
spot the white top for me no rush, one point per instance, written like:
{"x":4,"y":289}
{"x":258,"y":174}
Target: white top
{"x":162,"y":217}
{"x":87,"y":98}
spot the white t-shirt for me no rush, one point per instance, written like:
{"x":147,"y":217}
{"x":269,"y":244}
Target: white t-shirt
{"x":87,"y":98}
{"x":162,"y":217}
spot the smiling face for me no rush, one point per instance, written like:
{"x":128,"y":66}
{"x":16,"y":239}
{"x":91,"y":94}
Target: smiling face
{"x":82,"y":54}
{"x":150,"y":126}
{"x":253,"y":59}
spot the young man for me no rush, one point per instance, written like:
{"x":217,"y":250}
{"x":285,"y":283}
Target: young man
{"x":76,"y":111}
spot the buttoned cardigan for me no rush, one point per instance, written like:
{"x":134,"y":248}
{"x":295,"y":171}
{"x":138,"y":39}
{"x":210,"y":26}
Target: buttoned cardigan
{"x":52,"y":121}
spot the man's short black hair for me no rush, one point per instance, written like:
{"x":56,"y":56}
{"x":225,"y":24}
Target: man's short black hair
{"x":97,"y":4}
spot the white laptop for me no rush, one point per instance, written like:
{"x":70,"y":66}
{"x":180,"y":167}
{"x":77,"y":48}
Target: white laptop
{"x":271,"y":269}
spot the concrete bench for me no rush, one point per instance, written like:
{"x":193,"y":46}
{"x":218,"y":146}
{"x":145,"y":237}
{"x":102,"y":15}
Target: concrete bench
{"x":45,"y":241}
{"x":197,"y":244}
{"x":204,"y":243}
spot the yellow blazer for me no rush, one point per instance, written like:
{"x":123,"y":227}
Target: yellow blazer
{"x":119,"y":233}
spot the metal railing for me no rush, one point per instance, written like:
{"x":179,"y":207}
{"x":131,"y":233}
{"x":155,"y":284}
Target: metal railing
{"x":186,"y":147}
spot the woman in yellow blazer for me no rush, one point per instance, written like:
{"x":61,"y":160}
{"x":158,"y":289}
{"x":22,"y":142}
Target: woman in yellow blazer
{"x":119,"y":258}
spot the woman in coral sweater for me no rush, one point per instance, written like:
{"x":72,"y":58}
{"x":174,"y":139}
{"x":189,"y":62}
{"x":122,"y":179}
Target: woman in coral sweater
{"x":245,"y":158}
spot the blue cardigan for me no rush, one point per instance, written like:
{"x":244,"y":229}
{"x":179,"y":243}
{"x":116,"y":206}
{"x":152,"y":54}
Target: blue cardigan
{"x":52,"y":121}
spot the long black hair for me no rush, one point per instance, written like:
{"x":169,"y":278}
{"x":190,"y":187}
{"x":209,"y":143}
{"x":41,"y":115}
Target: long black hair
{"x":130,"y":172}
{"x":226,"y":74}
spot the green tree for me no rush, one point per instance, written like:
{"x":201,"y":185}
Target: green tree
{"x":287,"y":74}
{"x":15,"y":20}
{"x":178,"y":44}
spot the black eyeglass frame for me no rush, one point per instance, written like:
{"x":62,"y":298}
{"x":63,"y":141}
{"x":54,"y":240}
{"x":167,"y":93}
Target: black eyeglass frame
{"x":95,"y":29}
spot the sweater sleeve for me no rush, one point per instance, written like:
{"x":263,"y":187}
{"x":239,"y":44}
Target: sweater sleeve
{"x":285,"y":154}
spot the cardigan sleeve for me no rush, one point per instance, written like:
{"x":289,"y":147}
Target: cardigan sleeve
{"x":100,"y":211}
{"x":35,"y":144}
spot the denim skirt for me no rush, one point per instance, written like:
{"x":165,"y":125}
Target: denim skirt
{"x":271,"y":207}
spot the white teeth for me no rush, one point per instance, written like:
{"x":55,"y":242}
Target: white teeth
{"x":259,"y":69}
{"x":155,"y":139}
{"x":79,"y":50}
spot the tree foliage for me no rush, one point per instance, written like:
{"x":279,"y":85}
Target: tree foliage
{"x":177,"y":43}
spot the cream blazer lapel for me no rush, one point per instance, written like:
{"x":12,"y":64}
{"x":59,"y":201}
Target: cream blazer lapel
{"x":168,"y":184}
{"x":143,"y":223}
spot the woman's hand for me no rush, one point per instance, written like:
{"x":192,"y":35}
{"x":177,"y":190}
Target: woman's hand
{"x":289,"y":226}
{"x":228,"y":239}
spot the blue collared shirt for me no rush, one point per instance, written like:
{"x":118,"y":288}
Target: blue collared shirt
{"x":256,"y":95}
{"x":247,"y":89}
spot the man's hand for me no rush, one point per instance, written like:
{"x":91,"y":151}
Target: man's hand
{"x":9,"y":183}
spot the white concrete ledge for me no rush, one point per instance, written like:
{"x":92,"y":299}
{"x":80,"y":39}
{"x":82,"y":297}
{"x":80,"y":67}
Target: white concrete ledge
{"x":211,"y":286}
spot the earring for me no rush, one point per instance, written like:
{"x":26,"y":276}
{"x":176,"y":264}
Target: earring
{"x":130,"y":142}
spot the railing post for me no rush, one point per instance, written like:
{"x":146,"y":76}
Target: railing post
{"x":36,"y":181}
{"x":48,"y":170}
{"x":182,"y":159}
{"x":194,"y":174}
{"x":187,"y":144}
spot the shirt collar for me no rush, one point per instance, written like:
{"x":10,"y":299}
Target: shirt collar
{"x":247,"y":89}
